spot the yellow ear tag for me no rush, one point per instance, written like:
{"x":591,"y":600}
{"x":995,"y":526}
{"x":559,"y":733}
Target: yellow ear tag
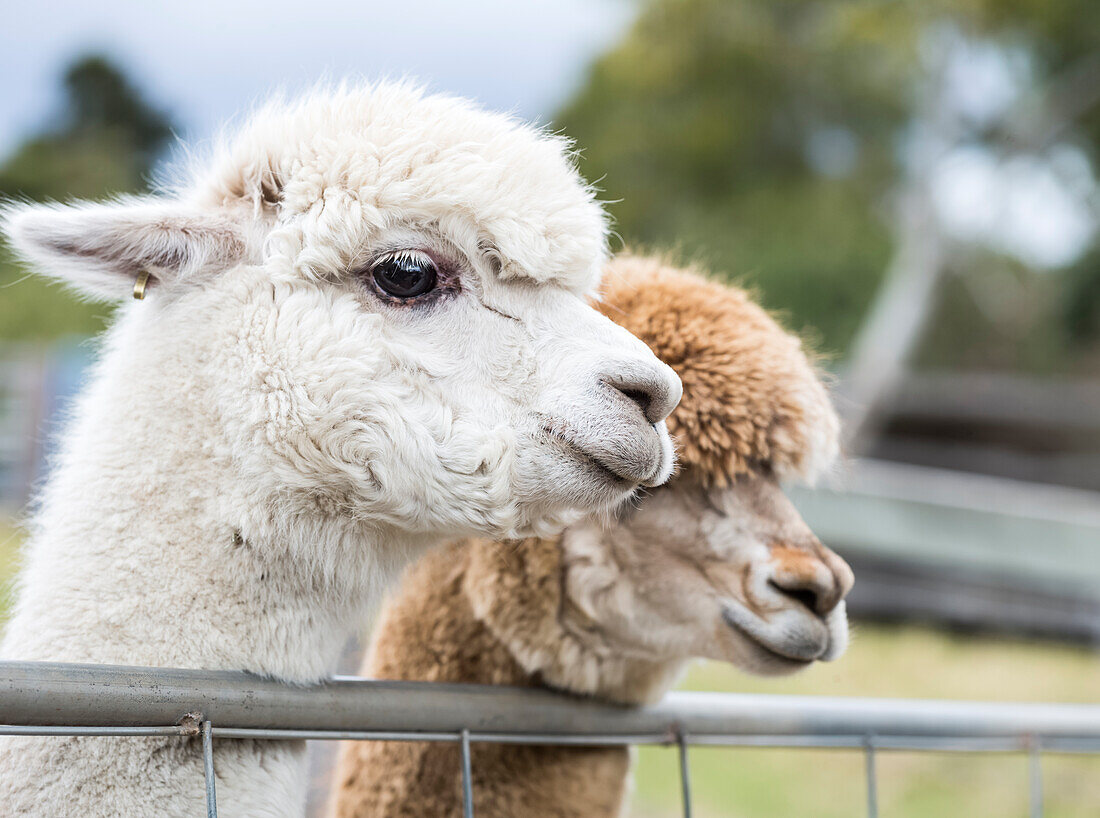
{"x":139,"y":285}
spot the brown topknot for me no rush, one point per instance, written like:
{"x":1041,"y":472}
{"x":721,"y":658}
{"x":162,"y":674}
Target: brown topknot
{"x":753,"y":400}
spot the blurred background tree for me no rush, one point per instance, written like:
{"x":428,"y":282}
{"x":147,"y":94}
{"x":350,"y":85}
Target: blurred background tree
{"x":105,"y":140}
{"x":770,"y":139}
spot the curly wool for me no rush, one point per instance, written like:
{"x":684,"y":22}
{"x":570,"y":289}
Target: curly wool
{"x":752,"y":396}
{"x":377,"y":155}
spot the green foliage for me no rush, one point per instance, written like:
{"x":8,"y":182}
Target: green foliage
{"x":102,"y":101}
{"x":1081,"y":304}
{"x":762,"y":136}
{"x":55,"y":167}
{"x":35,"y":309}
{"x":700,"y":125}
{"x":105,"y":141}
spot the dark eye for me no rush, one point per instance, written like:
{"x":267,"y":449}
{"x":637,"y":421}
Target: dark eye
{"x":406,"y":274}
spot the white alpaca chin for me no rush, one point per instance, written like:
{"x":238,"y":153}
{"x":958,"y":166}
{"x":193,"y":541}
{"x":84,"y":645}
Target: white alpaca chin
{"x":272,"y":433}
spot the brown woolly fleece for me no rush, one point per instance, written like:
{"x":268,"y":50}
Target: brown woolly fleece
{"x":751,"y":396}
{"x":430,"y":633}
{"x":485,"y":612}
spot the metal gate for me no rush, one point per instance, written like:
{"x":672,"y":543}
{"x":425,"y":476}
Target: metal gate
{"x":53,"y":699}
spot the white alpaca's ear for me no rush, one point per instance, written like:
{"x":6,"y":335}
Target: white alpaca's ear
{"x":101,"y":249}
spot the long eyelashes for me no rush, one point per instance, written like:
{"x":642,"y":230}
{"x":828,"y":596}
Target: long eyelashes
{"x":410,"y":276}
{"x":406,"y":274}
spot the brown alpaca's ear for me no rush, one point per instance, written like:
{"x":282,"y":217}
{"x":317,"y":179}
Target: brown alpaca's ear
{"x":100,"y":249}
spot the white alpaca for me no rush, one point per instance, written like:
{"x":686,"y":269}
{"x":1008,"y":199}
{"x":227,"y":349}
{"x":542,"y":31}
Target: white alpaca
{"x":716,"y":564}
{"x":365,"y":332}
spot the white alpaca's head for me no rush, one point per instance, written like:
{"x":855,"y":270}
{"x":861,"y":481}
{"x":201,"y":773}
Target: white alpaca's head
{"x":378,"y":298}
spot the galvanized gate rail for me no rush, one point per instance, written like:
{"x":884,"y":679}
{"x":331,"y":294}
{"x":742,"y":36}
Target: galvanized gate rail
{"x":51,"y":699}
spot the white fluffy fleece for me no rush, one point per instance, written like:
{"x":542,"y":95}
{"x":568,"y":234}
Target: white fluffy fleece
{"x":267,"y":439}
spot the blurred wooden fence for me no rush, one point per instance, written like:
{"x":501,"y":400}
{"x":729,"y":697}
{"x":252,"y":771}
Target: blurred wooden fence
{"x":36,"y":383}
{"x":962,"y":549}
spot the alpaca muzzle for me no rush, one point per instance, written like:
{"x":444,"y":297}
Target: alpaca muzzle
{"x":615,"y":426}
{"x":795,"y":607}
{"x":624,"y":448}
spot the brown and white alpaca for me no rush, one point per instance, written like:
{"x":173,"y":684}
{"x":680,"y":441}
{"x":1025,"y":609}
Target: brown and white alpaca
{"x":365,"y":333}
{"x":716,"y":564}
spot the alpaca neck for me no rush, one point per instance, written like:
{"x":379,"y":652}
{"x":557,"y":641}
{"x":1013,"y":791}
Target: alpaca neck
{"x":148,"y":550}
{"x":542,"y":632}
{"x":430,"y":632}
{"x":517,"y":593}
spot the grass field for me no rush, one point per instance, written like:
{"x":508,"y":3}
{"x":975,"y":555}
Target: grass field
{"x":890,"y":661}
{"x":883,"y":661}
{"x":10,"y":538}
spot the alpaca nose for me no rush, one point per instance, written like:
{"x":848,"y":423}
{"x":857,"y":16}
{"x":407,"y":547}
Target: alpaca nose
{"x":652,"y":386}
{"x":813,"y":575}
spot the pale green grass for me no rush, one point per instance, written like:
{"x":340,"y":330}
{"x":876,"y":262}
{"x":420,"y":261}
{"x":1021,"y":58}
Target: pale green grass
{"x":890,"y":661}
{"x":11,"y":536}
{"x":883,"y":661}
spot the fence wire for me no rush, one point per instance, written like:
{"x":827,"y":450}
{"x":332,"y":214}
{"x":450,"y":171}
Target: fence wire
{"x":93,"y":700}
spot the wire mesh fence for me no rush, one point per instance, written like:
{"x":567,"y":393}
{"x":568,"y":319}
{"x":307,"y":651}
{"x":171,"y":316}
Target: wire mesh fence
{"x":53,"y":699}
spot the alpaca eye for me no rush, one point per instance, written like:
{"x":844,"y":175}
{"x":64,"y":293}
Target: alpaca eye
{"x":405,"y":275}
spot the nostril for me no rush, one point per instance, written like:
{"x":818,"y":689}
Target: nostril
{"x":807,"y":596}
{"x":643,"y":399}
{"x":647,"y":389}
{"x":809,"y":573}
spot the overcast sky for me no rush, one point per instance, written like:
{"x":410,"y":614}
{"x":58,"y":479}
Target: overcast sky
{"x":205,"y":60}
{"x":210,"y":59}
